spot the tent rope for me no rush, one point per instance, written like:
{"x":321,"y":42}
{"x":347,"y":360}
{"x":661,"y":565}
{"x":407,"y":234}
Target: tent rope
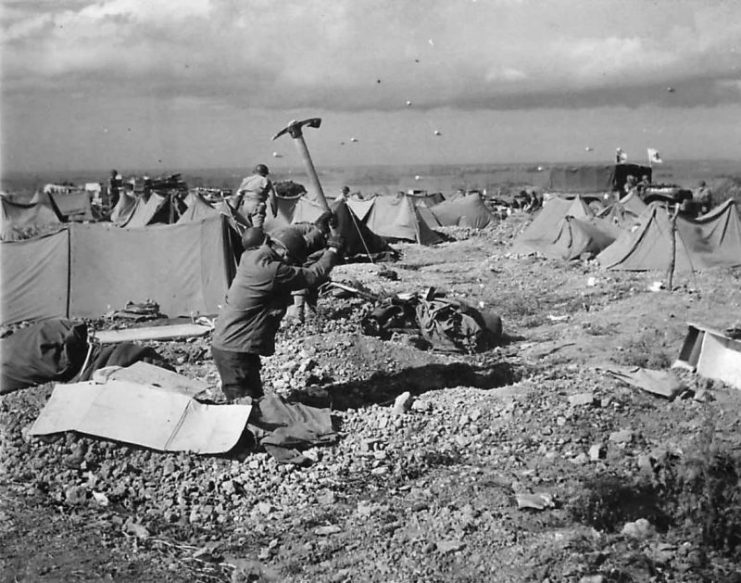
{"x":360,"y":234}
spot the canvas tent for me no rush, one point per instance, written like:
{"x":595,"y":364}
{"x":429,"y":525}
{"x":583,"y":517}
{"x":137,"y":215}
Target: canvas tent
{"x":566,"y":229}
{"x":89,"y":269}
{"x":547,"y":224}
{"x":397,"y":218}
{"x":624,"y":213}
{"x":465,"y":211}
{"x":69,"y":205}
{"x":359,"y":239}
{"x":17,"y":218}
{"x":711,"y":240}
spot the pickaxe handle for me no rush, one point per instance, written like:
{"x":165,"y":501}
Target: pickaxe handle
{"x":295,"y":130}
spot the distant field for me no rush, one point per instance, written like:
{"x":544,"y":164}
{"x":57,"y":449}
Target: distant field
{"x":390,"y":179}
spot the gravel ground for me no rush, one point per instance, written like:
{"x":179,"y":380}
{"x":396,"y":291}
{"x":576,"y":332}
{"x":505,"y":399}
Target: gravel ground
{"x":628,"y":486}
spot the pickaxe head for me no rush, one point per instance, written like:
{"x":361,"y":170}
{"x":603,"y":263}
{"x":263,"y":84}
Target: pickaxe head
{"x":294,"y":128}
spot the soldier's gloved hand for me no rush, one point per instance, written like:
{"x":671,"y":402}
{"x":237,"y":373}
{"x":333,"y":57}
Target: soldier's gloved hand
{"x":336,"y":241}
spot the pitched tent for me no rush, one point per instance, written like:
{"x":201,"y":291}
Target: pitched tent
{"x":359,"y":239}
{"x":708,"y":241}
{"x":121,"y":213}
{"x":624,"y":213}
{"x":73,"y":206}
{"x":35,"y":278}
{"x":547,"y":224}
{"x":397,"y":218}
{"x":198,"y":209}
{"x":361,"y":208}
{"x":17,"y":218}
{"x":577,"y":237}
{"x":147,"y":211}
{"x":465,"y":211}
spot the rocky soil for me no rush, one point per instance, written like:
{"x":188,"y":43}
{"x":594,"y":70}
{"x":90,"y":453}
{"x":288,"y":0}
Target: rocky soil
{"x":523,"y":463}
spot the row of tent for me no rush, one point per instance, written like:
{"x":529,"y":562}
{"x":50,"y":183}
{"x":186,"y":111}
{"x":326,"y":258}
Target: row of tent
{"x":630,"y":235}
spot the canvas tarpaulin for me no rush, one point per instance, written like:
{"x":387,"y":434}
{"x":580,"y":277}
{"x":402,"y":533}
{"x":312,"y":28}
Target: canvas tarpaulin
{"x":709,"y":241}
{"x":35,"y":277}
{"x":53,"y":350}
{"x":143,"y":415}
{"x":183,"y":267}
{"x":17,"y":218}
{"x":465,"y":211}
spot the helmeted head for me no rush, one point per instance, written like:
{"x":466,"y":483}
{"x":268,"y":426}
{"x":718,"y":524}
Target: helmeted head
{"x":702,"y":183}
{"x":345,"y":190}
{"x":291,"y":244}
{"x":262,"y":170}
{"x":252,"y":237}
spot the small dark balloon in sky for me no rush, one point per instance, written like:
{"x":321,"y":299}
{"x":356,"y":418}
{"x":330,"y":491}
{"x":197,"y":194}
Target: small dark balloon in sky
{"x":378,"y":80}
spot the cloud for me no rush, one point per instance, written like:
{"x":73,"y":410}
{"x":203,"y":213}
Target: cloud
{"x":291,"y":53}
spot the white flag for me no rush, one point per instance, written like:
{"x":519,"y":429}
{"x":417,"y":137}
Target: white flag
{"x":654,"y":157}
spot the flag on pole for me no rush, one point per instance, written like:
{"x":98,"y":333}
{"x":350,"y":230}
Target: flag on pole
{"x":654,"y":157}
{"x":620,"y":156}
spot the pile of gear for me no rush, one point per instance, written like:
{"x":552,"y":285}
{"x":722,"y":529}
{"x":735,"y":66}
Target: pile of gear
{"x":439,"y":323}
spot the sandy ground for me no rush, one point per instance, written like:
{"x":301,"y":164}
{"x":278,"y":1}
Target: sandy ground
{"x":633,"y":487}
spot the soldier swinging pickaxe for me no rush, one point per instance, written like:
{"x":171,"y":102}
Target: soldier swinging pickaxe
{"x":294,"y":129}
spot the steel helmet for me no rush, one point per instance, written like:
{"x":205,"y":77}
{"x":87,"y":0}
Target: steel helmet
{"x":253,"y":237}
{"x":262,"y":170}
{"x":293,"y":242}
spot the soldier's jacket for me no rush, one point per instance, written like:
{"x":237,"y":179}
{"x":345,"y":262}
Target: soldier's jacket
{"x":258,"y":298}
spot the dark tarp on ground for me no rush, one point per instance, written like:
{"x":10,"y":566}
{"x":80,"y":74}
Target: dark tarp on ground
{"x":282,"y":427}
{"x":709,"y":241}
{"x":53,"y":350}
{"x":465,"y":211}
{"x":17,"y":217}
{"x":35,"y":275}
{"x":184,"y":267}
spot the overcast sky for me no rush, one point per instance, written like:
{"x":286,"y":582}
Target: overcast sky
{"x":206,"y":83}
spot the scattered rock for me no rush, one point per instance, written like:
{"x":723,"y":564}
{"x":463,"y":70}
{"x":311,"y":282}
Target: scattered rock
{"x":639,"y":529}
{"x":582,"y":400}
{"x":327,"y":530}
